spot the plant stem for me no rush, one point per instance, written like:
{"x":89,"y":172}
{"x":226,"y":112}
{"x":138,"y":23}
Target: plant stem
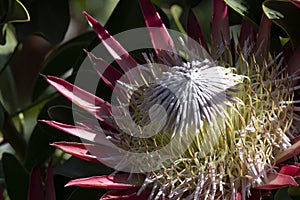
{"x":13,"y":137}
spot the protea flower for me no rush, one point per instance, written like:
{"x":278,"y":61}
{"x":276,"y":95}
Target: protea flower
{"x":226,"y":109}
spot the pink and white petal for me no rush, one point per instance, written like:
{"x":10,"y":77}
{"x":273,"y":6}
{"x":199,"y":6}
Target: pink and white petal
{"x":107,"y":154}
{"x":297,"y":175}
{"x":78,"y":150}
{"x":78,"y":131}
{"x":276,"y":181}
{"x":118,"y":181}
{"x":89,"y":102}
{"x":107,"y":73}
{"x":288,"y":153}
{"x":131,"y":194}
{"x":297,"y":164}
{"x":115,"y":49}
{"x":160,"y":37}
{"x":194,"y":31}
{"x":49,"y":187}
{"x":220,"y":24}
{"x":290,"y":170}
{"x":35,"y":185}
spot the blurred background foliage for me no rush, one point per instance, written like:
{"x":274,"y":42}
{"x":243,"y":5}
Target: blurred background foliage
{"x":48,"y":37}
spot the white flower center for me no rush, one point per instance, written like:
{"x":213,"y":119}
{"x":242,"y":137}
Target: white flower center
{"x":189,"y":94}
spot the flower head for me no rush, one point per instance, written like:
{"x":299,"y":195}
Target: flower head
{"x":187,"y":123}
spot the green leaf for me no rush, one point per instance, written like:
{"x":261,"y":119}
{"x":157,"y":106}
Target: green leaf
{"x":16,"y":177}
{"x":39,"y":149}
{"x":282,"y":194}
{"x":183,"y":3}
{"x":62,"y":59}
{"x":64,"y":114}
{"x":8,"y":42}
{"x":285,"y":14}
{"x":130,"y":13}
{"x":294,"y":192}
{"x":77,"y":168}
{"x":84,"y":193}
{"x":47,"y":18}
{"x":176,"y":12}
{"x":61,"y":114}
{"x":61,"y":191}
{"x":8,"y":91}
{"x":1,"y":116}
{"x":250,"y":9}
{"x":13,"y":11}
{"x":2,"y":34}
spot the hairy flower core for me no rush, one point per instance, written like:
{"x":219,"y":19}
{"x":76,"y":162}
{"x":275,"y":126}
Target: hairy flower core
{"x":234,"y":135}
{"x":189,"y":94}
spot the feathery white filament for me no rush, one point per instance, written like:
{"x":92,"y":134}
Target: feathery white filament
{"x":190,"y":94}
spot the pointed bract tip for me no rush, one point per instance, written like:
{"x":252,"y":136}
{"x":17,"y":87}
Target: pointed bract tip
{"x":86,"y":14}
{"x":44,"y":76}
{"x":89,"y":54}
{"x":90,"y":19}
{"x":50,"y":78}
{"x":86,"y":51}
{"x":52,"y":144}
{"x":68,"y":184}
{"x":42,"y":120}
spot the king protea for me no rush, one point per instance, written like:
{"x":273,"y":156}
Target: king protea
{"x":231,"y":111}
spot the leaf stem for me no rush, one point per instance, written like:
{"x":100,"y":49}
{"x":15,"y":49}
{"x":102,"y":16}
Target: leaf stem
{"x":52,"y":95}
{"x":6,"y":64}
{"x":13,"y":137}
